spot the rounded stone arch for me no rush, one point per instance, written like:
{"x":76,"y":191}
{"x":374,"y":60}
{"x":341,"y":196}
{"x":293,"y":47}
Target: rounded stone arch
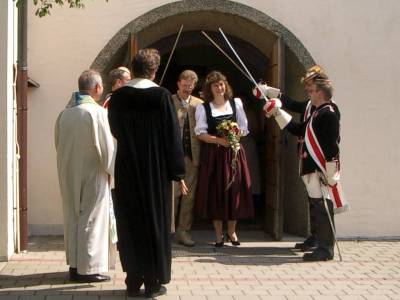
{"x":118,"y":43}
{"x":254,"y":32}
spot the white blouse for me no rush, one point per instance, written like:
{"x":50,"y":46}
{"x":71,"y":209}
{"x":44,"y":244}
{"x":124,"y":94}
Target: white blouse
{"x":201,"y":118}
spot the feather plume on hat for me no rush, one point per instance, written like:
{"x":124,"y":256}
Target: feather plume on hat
{"x":314,"y":72}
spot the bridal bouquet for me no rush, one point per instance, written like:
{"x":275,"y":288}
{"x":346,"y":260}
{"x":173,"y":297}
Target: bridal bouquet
{"x":230,"y":130}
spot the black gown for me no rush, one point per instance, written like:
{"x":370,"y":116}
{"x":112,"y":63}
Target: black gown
{"x":149,"y":156}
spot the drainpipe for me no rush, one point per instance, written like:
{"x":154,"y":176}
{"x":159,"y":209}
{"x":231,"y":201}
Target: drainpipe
{"x":22,"y":88}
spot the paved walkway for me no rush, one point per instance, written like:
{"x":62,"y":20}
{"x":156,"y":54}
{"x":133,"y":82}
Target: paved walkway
{"x":255,"y":270}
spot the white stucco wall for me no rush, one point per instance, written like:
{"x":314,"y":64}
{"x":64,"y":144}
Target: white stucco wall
{"x":61,"y":46}
{"x":6,"y":130}
{"x":356,"y":41}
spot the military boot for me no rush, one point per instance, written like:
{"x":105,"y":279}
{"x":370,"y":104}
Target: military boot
{"x":311,"y":241}
{"x":325,"y":235}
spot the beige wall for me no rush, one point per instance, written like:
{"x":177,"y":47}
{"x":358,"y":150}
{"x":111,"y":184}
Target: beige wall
{"x":356,"y":41}
{"x":7,"y":158}
{"x":61,"y":46}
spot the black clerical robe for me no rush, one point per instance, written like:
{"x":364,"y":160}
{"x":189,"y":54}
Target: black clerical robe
{"x":149,"y":156}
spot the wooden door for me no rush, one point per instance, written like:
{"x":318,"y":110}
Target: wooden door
{"x":133,"y":48}
{"x":274,"y":169}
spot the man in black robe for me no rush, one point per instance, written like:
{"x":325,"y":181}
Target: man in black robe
{"x":149,"y":157}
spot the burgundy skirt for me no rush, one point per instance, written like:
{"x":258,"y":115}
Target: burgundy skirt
{"x":213,"y":200}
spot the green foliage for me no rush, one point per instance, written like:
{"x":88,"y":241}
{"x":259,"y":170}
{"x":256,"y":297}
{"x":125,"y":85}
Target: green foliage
{"x":44,"y":6}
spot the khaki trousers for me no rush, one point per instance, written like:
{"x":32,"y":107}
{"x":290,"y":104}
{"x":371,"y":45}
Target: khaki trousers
{"x":185,"y":204}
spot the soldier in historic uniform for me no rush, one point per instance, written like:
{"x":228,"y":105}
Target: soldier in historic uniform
{"x":305,"y":109}
{"x":319,"y":159}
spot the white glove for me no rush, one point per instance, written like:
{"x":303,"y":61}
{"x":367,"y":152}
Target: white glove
{"x":269,"y":91}
{"x":271,"y":108}
{"x":332,"y":172}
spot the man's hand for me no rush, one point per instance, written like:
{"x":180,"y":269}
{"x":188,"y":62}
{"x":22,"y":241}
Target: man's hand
{"x":332,"y":172}
{"x":271,"y":108}
{"x":268,"y":91}
{"x":183,"y":187}
{"x":223,"y":141}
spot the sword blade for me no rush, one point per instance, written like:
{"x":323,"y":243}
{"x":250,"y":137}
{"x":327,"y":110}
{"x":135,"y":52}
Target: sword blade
{"x":170,"y":55}
{"x":330,"y":221}
{"x":242,"y":63}
{"x":226,"y":55}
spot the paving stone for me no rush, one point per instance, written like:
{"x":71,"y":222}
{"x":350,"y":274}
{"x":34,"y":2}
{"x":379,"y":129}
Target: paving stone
{"x":254,"y":271}
{"x":220,"y":297}
{"x":113,"y":298}
{"x":246,"y":297}
{"x":202,"y":292}
{"x":30,"y":297}
{"x":324,"y":297}
{"x":85,"y":297}
{"x":168,"y":297}
{"x":227,"y":292}
{"x":193,"y":298}
{"x":59,"y":297}
{"x":9,"y":297}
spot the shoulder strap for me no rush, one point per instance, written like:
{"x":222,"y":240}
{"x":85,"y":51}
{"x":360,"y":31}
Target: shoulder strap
{"x":233,"y":105}
{"x":207,"y":108}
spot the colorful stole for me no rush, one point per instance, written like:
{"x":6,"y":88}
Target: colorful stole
{"x":82,"y":98}
{"x":334,"y":193}
{"x":77,"y":99}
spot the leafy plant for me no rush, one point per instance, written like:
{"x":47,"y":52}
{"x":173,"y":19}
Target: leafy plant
{"x":44,"y":6}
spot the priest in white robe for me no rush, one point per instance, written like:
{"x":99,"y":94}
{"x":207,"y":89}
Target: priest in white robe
{"x":85,"y":159}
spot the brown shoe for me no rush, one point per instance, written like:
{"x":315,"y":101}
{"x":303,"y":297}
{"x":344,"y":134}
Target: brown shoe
{"x":184,"y":238}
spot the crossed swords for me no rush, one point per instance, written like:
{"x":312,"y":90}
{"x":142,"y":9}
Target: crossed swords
{"x":248,"y":75}
{"x":244,"y":71}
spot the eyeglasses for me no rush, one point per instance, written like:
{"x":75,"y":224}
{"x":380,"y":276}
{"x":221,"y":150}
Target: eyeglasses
{"x":188,"y":86}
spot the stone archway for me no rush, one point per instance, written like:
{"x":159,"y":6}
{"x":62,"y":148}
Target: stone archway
{"x":254,"y":30}
{"x":222,"y":7}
